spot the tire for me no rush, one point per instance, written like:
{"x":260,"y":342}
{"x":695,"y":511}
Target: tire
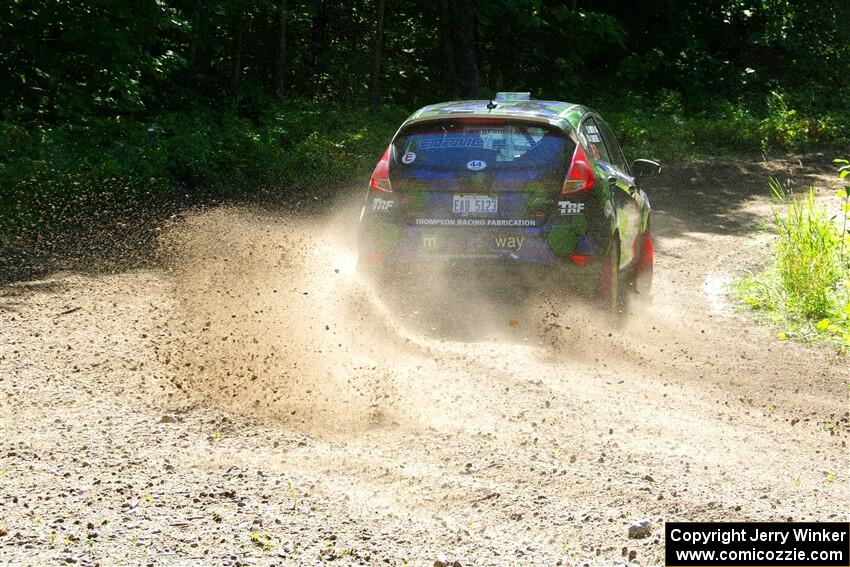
{"x":611,"y":285}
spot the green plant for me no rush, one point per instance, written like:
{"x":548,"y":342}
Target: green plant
{"x":807,"y":285}
{"x":296,"y":502}
{"x":844,"y":195}
{"x":805,"y":254}
{"x":263,"y":542}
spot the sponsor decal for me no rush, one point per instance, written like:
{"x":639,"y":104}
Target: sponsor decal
{"x":408,"y":158}
{"x":570,"y":207}
{"x":477,"y":222}
{"x":451,"y":142}
{"x":608,"y":209}
{"x":510,"y":242}
{"x":486,"y":132}
{"x":563,"y":238}
{"x":382,"y":205}
{"x":476,"y":165}
{"x":456,"y":244}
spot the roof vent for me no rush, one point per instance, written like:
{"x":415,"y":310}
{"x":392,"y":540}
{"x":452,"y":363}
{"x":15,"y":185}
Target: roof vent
{"x":512,"y":97}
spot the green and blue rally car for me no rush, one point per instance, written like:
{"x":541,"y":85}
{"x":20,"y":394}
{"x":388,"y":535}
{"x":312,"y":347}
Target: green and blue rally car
{"x":511,"y":183}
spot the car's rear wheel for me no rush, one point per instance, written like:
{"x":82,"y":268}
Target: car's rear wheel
{"x":610,"y":292}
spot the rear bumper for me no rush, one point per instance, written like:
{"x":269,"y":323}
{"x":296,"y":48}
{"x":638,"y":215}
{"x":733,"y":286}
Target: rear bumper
{"x":419,"y":245}
{"x":484,"y":257}
{"x":392,"y":242}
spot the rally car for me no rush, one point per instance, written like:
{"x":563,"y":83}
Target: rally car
{"x":511,"y":182}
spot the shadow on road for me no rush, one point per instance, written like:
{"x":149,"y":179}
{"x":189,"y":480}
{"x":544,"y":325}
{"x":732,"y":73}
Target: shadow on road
{"x":708,"y":196}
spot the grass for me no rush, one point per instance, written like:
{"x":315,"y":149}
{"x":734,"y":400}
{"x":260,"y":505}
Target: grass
{"x":806,"y":286}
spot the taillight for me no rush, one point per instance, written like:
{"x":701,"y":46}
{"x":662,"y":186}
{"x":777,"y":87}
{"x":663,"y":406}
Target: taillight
{"x":580,"y":176}
{"x":381,"y":176}
{"x":580,"y":259}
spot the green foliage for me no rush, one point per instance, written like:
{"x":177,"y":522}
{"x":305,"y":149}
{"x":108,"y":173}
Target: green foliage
{"x":786,"y":128}
{"x":665,"y":128}
{"x":64,"y":59}
{"x":74,"y":174}
{"x":807,"y":285}
{"x":295,"y":146}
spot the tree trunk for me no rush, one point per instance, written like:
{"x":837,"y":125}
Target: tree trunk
{"x":375,"y":88}
{"x":194,"y":35}
{"x":449,"y":80}
{"x":318,"y":40}
{"x":463,"y":36}
{"x":236,"y":61}
{"x":280,"y":71}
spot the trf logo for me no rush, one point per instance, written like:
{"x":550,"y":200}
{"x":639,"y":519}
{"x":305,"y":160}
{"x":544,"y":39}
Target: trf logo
{"x":570,"y":207}
{"x":382,"y":204}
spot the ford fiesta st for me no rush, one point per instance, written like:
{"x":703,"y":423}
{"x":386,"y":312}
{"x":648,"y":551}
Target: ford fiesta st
{"x":511,"y":183}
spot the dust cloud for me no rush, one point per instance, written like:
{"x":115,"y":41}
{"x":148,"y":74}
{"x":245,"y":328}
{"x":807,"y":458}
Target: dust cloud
{"x":275,"y":320}
{"x":270,"y":320}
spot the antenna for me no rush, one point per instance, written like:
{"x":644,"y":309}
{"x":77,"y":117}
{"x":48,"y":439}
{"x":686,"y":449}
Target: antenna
{"x":491,"y":105}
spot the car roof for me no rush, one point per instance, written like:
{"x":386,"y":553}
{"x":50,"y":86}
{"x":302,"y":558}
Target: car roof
{"x":564,"y":115}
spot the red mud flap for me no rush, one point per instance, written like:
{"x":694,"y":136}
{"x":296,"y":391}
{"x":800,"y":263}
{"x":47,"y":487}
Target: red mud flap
{"x":645,"y":266}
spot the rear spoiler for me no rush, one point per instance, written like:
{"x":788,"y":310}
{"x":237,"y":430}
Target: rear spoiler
{"x":543,"y":120}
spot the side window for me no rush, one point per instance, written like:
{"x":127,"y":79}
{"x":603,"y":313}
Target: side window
{"x":617,"y":157}
{"x":593,"y":138}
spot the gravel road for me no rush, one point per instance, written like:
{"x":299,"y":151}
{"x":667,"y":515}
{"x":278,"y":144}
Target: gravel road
{"x":248,"y":401}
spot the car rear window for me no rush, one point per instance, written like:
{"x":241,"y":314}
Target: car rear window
{"x":472,"y":144}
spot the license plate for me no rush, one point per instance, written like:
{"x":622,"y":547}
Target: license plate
{"x":475,"y":205}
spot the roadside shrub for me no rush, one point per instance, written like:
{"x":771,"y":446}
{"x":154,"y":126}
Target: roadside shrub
{"x":666,"y":127}
{"x":806,"y":287}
